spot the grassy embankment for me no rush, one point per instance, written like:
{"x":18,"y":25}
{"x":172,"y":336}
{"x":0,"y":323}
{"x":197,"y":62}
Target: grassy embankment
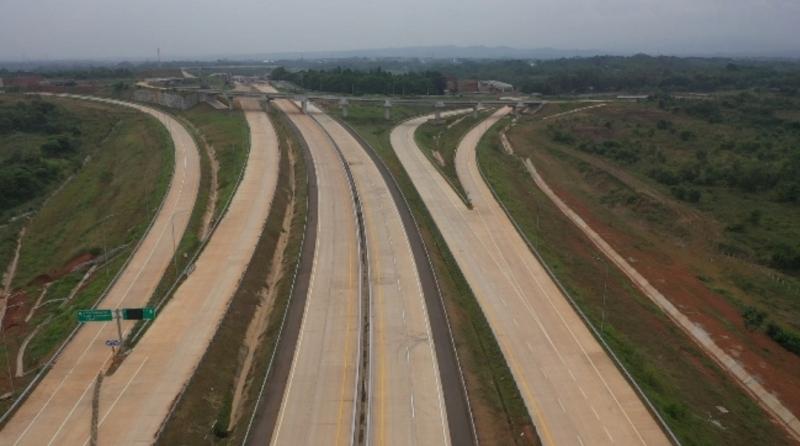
{"x":726,"y":170}
{"x":121,"y":163}
{"x":203,"y":411}
{"x":499,"y":411}
{"x":439,"y":141}
{"x":686,"y":387}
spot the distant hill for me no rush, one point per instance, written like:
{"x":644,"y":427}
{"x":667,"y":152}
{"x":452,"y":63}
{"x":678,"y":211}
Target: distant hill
{"x":438,"y":52}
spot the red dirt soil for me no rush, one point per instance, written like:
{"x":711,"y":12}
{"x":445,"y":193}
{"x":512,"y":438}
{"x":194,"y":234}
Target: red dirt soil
{"x":775,"y":368}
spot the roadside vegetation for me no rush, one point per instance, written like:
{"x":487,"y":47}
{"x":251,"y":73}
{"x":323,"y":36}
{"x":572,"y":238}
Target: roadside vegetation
{"x":203,"y":413}
{"x":97,"y":173}
{"x":728,"y":169}
{"x":439,"y":141}
{"x":499,"y":411}
{"x":229,"y":137}
{"x":698,"y":400}
{"x":356,"y":82}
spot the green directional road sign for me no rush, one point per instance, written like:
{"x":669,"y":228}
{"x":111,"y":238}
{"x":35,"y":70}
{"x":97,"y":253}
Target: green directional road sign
{"x":95,"y":315}
{"x":136,"y":314}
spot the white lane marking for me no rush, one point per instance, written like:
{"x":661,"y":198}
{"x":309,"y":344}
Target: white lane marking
{"x":514,"y":320}
{"x":583,"y":393}
{"x":413,"y":414}
{"x":563,"y":409}
{"x":596,"y":415}
{"x":609,"y":434}
{"x":580,"y":441}
{"x":571,"y":375}
{"x":530,"y":347}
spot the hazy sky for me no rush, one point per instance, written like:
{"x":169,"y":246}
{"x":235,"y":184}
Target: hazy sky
{"x":57,"y":29}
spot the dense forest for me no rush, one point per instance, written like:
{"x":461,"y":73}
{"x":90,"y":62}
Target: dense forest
{"x":376,"y":81}
{"x":635,"y":73}
{"x":24,"y":172}
{"x":639,"y":73}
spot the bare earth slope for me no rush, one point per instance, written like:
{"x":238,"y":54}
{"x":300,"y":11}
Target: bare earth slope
{"x":572,"y":389}
{"x":45,"y":413}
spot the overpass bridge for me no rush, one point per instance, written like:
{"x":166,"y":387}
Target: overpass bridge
{"x":439,"y":103}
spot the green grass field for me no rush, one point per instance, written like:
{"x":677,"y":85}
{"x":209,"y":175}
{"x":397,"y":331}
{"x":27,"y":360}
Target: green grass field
{"x":439,"y":140}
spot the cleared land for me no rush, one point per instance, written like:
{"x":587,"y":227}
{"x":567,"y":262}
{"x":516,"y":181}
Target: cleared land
{"x":698,"y":400}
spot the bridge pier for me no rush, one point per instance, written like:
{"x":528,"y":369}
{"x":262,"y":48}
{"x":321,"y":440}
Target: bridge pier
{"x":438,"y":114}
{"x":518,"y":108}
{"x":343,"y":103}
{"x":475,"y":110}
{"x":266,"y":103}
{"x":387,"y":110}
{"x":304,"y":102}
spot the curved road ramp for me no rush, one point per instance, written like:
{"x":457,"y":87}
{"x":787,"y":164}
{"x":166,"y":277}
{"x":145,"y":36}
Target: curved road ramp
{"x":574,"y":392}
{"x":135,"y":400}
{"x":67,"y":388}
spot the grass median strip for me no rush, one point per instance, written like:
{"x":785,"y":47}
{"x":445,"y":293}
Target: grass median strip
{"x":204,"y":411}
{"x":439,"y":141}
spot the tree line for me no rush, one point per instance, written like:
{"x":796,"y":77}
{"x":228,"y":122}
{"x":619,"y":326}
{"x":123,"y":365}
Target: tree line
{"x":27,"y":172}
{"x":374,"y":81}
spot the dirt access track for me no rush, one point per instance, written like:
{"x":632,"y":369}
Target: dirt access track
{"x":67,"y":385}
{"x":572,"y":389}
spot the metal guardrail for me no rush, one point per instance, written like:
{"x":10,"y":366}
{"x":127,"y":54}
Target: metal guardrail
{"x":385,"y":168}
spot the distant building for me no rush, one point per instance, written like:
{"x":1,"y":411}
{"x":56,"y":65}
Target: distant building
{"x":468,"y":86}
{"x":27,"y":81}
{"x":492,"y":86}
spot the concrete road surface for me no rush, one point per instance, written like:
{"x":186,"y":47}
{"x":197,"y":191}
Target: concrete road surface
{"x":48,"y":411}
{"x":405,"y":396}
{"x":137,"y":398}
{"x":319,"y":401}
{"x":572,"y":389}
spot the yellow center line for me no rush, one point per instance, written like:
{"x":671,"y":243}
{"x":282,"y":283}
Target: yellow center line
{"x":381,"y":353}
{"x":345,"y":374}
